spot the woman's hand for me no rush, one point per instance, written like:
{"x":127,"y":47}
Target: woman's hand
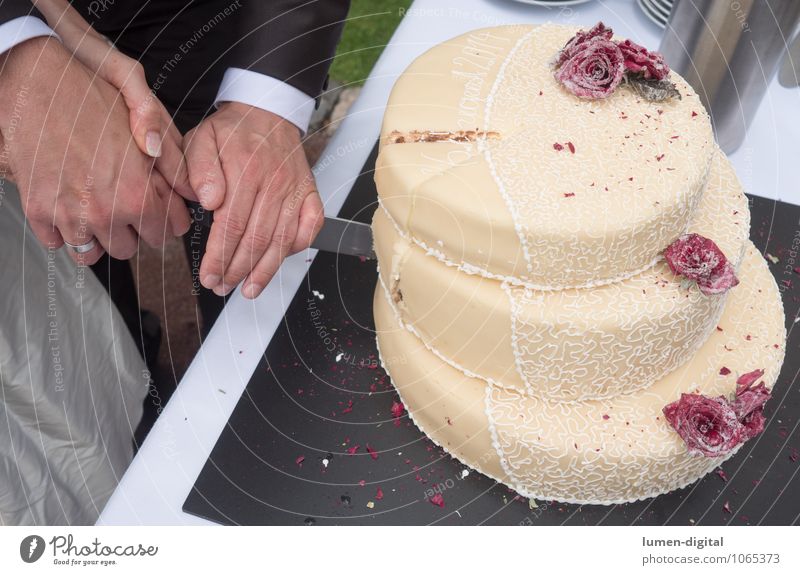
{"x":150,"y":123}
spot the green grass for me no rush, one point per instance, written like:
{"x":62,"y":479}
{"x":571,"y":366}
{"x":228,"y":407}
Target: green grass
{"x":369,"y":27}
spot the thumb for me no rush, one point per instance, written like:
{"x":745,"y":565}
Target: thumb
{"x":311,"y":218}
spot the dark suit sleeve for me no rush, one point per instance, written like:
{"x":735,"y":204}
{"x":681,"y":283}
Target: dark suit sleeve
{"x":291,"y":40}
{"x":10,"y":9}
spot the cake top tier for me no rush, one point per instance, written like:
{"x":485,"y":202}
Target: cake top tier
{"x":492,"y":164}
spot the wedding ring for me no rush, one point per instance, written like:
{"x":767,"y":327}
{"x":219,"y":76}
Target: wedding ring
{"x":82,"y":248}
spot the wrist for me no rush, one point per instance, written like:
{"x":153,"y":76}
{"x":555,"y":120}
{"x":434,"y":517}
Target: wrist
{"x":263,"y":121}
{"x":19,"y":63}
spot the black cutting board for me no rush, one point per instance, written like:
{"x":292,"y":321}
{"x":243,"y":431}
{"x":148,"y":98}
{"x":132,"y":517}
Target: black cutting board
{"x":283,"y":457}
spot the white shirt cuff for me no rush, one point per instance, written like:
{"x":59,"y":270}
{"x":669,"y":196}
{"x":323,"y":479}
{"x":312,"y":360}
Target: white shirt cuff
{"x":265,"y":92}
{"x":18,"y":30}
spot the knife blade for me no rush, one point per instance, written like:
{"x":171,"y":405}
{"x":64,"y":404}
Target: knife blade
{"x":345,"y":237}
{"x":337,"y":235}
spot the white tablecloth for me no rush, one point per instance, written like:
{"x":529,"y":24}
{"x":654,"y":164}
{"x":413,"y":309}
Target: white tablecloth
{"x":162,"y":474}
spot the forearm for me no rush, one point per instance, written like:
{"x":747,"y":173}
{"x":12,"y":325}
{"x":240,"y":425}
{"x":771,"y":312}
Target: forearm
{"x":70,"y":27}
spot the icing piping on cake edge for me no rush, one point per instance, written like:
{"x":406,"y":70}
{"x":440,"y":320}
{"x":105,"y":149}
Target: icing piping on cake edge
{"x":515,"y":338}
{"x":523,"y":238}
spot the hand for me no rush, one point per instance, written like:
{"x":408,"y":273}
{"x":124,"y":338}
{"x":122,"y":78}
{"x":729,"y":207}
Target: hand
{"x":150,"y":123}
{"x":77,"y":168}
{"x":249,"y":166}
{"x":5,"y":169}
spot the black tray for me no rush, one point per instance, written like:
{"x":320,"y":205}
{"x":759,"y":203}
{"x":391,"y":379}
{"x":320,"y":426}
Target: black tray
{"x":283,"y":458}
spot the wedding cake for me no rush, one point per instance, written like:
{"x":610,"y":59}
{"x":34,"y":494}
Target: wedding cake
{"x":568,"y":299}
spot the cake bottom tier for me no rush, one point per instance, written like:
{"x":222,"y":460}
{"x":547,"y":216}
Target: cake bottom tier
{"x":594,"y":452}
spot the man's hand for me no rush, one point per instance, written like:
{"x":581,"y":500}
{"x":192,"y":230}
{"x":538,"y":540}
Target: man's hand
{"x":77,"y":167}
{"x":150,"y":123}
{"x":248,"y":165}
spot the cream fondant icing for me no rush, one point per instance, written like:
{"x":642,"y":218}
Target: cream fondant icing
{"x":514,"y":206}
{"x":565,"y":344}
{"x":523,"y":309}
{"x":607,"y":451}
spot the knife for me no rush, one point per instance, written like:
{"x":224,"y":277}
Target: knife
{"x":337,"y":235}
{"x":345,"y":237}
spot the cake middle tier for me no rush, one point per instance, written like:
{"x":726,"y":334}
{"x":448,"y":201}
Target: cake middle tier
{"x":564,"y":345}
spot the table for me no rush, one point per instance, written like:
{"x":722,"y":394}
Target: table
{"x":156,"y":484}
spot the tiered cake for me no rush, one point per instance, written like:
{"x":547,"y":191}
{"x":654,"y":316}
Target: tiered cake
{"x":525,"y":311}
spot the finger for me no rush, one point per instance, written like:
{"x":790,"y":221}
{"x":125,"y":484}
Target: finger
{"x":152,"y":221}
{"x":178,"y":218}
{"x":119,"y":240}
{"x":172,"y":164}
{"x":41,"y":220}
{"x":46,"y":233}
{"x":177,"y":214}
{"x":74,"y":233}
{"x":265,"y":217}
{"x":242,"y":183}
{"x":87,"y":258}
{"x":205,"y":170}
{"x":312,"y":217}
{"x":282,"y":240}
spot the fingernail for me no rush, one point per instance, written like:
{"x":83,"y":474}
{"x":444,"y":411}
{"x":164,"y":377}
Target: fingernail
{"x":251,"y":291}
{"x":210,"y":281}
{"x":221,"y":289}
{"x":153,"y":143}
{"x":204,"y":194}
{"x":179,"y":232}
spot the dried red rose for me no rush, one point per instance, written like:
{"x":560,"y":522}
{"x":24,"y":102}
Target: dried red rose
{"x":699,"y":259}
{"x":639,"y":60}
{"x":580,"y":39}
{"x":594,"y":70}
{"x":708,"y":425}
{"x":752,"y":422}
{"x":747,"y":379}
{"x":717,"y":422}
{"x":591,"y":65}
{"x":749,"y":403}
{"x":437,"y":500}
{"x":720,"y":282}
